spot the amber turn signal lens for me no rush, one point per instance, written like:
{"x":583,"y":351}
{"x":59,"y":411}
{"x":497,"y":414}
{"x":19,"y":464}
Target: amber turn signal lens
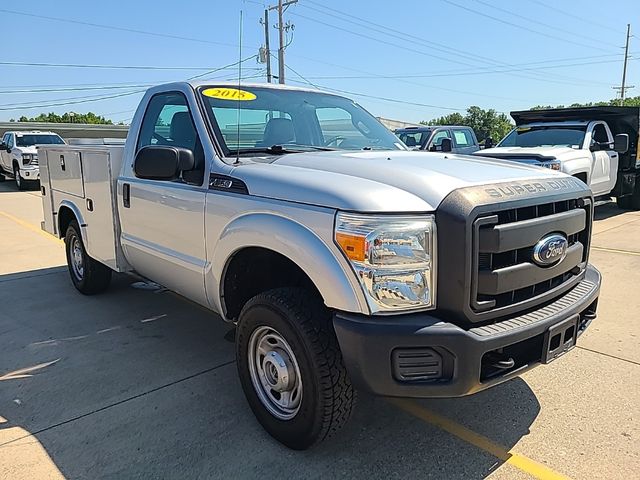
{"x":352,"y":245}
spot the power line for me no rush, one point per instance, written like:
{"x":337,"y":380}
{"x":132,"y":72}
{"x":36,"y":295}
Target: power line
{"x":454,"y":74}
{"x":530,"y":20}
{"x":368,"y":37}
{"x":75,"y":89}
{"x":121,"y":29}
{"x":94,"y":66}
{"x":572,"y":15}
{"x":29,"y":107}
{"x":386,"y":99}
{"x":79,"y":100}
{"x":432,"y":45}
{"x":519,"y":26}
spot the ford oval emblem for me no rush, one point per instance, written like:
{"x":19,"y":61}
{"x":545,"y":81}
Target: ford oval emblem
{"x":550,"y":250}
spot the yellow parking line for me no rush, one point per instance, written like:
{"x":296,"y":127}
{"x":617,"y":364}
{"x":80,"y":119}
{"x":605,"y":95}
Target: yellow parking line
{"x":614,"y":250}
{"x":517,"y":460}
{"x":30,"y":227}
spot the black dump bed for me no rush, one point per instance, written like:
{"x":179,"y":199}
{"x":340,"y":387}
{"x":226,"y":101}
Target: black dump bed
{"x":620,"y":120}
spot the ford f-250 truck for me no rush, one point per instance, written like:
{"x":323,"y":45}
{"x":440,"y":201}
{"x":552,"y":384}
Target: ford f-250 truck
{"x":598,"y":145}
{"x":345,"y":261}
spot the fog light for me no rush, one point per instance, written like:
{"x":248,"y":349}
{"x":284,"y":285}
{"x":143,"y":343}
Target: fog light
{"x":420,"y":364}
{"x":26,"y":174}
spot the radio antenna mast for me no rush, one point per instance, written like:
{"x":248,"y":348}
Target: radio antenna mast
{"x":238,"y":92}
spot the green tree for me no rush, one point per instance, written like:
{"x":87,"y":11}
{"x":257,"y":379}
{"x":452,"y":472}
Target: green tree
{"x":69,"y":117}
{"x":486,"y":123}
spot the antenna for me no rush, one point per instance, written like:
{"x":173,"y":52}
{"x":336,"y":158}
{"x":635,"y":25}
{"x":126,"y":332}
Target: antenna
{"x":238,"y":94}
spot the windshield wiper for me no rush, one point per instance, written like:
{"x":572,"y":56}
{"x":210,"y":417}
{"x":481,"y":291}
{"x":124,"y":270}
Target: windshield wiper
{"x":281,"y":149}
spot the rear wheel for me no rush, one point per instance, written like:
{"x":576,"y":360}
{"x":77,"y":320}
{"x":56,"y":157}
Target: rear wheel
{"x":631,"y":202}
{"x":291,"y":367}
{"x":88,"y":275}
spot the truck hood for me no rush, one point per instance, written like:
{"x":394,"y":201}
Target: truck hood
{"x":389,"y":181}
{"x":31,"y":149}
{"x":532,"y":153}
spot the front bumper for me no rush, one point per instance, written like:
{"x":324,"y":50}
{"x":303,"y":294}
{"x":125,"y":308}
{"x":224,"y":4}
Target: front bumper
{"x":30,"y":172}
{"x":459,"y":362}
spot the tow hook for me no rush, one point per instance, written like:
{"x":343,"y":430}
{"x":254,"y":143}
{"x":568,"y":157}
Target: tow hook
{"x":497,"y":360}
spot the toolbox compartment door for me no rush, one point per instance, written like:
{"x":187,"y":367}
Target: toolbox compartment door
{"x":65,"y":171}
{"x":99,"y":208}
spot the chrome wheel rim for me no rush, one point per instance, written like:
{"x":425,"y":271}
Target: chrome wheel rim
{"x":77,"y":260}
{"x":275,"y":373}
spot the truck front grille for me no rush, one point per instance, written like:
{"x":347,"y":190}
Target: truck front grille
{"x":503,"y":271}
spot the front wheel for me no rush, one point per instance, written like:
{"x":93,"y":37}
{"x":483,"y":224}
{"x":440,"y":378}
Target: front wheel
{"x":291,"y":367}
{"x":20,"y":183}
{"x":88,"y":275}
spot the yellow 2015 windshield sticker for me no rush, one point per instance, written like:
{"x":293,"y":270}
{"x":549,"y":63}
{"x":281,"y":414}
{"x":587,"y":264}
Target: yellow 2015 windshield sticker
{"x":228,"y":94}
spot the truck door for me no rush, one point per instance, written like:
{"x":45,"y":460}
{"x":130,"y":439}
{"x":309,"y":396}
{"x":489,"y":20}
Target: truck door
{"x":464,"y":141}
{"x":162,"y":221}
{"x":435,"y":143}
{"x":5,"y":156}
{"x":604,"y":160}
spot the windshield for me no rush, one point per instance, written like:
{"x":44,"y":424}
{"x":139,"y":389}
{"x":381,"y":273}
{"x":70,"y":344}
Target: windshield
{"x":257,"y":119}
{"x":541,"y":136}
{"x":414,"y":138}
{"x":29,"y":140}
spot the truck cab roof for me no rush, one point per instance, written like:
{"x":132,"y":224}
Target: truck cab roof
{"x":567,"y":123}
{"x":30,"y":132}
{"x":426,"y":128}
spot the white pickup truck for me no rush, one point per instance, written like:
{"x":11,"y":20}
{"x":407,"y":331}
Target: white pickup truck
{"x":18,"y":155}
{"x":344,"y":260}
{"x":598,"y":145}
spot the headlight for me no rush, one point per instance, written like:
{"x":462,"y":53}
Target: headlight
{"x":26,"y":158}
{"x":393,"y":257}
{"x":552,"y":165}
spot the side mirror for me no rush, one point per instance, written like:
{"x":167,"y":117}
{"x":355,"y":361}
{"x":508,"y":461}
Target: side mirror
{"x":488,"y":142}
{"x":162,"y":162}
{"x":621,"y":143}
{"x":595,"y":146}
{"x":446,"y":145}
{"x":3,"y":146}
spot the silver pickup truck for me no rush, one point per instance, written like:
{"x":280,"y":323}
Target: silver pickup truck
{"x":345,"y":261}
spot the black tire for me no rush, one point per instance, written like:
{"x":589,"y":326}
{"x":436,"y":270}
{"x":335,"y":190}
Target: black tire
{"x":2,"y":178}
{"x":20,"y":183}
{"x":629,"y":202}
{"x":327,"y":398}
{"x":92,"y":277}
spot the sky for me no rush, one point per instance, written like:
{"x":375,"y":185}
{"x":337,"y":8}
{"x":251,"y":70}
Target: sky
{"x":411,"y":60}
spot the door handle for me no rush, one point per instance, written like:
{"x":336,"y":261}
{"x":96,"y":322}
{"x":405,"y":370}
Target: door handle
{"x":126,"y":195}
{"x":62,"y":164}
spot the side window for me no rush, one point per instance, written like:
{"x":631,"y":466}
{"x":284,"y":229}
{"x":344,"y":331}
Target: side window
{"x":10,"y":140}
{"x":436,"y":141}
{"x":168,"y":121}
{"x":463,"y":138}
{"x":600,"y":134}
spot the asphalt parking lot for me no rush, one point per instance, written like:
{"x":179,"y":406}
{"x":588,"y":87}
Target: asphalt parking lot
{"x":140,"y":383}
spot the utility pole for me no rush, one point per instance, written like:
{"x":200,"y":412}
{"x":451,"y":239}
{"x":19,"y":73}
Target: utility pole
{"x":623,"y":87}
{"x":266,"y":43}
{"x":281,"y":47}
{"x":281,"y":30}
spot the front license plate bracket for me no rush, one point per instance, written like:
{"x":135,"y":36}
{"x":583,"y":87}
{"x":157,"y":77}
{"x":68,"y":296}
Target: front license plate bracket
{"x":560,"y":338}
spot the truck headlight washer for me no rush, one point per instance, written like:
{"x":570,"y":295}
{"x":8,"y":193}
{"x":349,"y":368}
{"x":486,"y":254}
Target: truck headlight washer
{"x":393,"y":256}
